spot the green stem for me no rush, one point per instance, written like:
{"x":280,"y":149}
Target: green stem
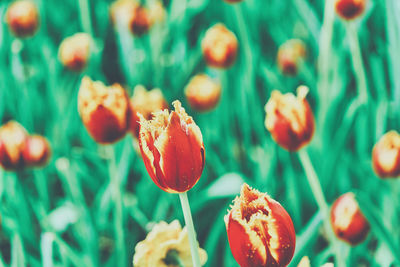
{"x":357,"y":61}
{"x":85,"y":16}
{"x":321,"y":202}
{"x":190,"y":228}
{"x":173,"y":259}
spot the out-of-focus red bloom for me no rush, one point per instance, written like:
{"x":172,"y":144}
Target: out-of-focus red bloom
{"x":290,"y":119}
{"x":260,"y":231}
{"x":23,"y":18}
{"x":203,"y":93}
{"x":74,"y":51}
{"x":219,"y":46}
{"x":36,"y":152}
{"x":349,"y":9}
{"x":12,"y":141}
{"x":172,"y":149}
{"x":290,"y":55}
{"x":233,"y":1}
{"x":104,"y":110}
{"x":140,"y":21}
{"x":386,"y":155}
{"x":348,"y":223}
{"x":145,"y":102}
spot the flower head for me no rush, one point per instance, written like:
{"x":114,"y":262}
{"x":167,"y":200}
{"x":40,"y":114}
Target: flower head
{"x":289,"y":56}
{"x":172,"y":149}
{"x":104,"y":110}
{"x":12,"y":142}
{"x":290,"y":119}
{"x":349,"y":9}
{"x":36,"y":151}
{"x":160,"y":242}
{"x":386,"y":155}
{"x":260,"y":231}
{"x":145,"y":102}
{"x":23,"y":18}
{"x":348,"y":223}
{"x":202,"y":92}
{"x":219,"y":46}
{"x":74,"y":51}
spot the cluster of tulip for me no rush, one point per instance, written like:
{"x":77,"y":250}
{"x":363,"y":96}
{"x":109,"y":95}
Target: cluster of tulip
{"x":260,"y":231}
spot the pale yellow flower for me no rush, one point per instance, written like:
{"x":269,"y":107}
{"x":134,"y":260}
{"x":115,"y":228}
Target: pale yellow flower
{"x":163,"y":239}
{"x":305,"y":262}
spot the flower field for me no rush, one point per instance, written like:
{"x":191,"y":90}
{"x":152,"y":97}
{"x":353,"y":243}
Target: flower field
{"x":213,"y":133}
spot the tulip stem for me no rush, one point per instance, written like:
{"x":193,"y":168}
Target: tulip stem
{"x":85,"y":16}
{"x":190,"y":228}
{"x":321,"y":202}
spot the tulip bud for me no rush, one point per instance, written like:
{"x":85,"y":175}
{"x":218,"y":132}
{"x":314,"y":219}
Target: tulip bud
{"x":290,"y":55}
{"x":157,"y":12}
{"x":203,"y":93}
{"x":36,"y":152}
{"x":23,"y":18}
{"x":349,"y":9}
{"x":12,"y":141}
{"x":386,"y":155}
{"x":260,"y":231}
{"x":172,"y":149}
{"x":305,"y":262}
{"x":219,"y":46}
{"x":140,"y":21}
{"x":74,"y":51}
{"x":122,"y":10}
{"x":104,"y":110}
{"x":290,"y":119}
{"x":348,"y":223}
{"x":145,"y":102}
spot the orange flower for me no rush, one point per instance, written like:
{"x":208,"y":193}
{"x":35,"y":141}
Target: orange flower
{"x":348,"y":223}
{"x":145,"y":102}
{"x":104,"y":110}
{"x":349,"y":9}
{"x":219,"y":46}
{"x":289,"y":56}
{"x":74,"y":51}
{"x":172,"y":149}
{"x":260,"y":231}
{"x":203,"y":93}
{"x":12,"y":141}
{"x":23,"y":18}
{"x":386,"y":155}
{"x":140,"y":21}
{"x":36,"y":151}
{"x":290,"y":119}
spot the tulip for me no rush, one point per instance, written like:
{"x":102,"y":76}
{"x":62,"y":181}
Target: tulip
{"x":386,"y":155}
{"x":23,"y":18}
{"x":36,"y":152}
{"x":290,"y":119}
{"x":348,"y":223}
{"x":203,"y":93}
{"x":12,"y":141}
{"x":104,"y":110}
{"x":305,"y":262}
{"x":172,"y":149}
{"x":145,"y":102}
{"x":260,"y":231}
{"x":140,"y":21}
{"x":165,"y":245}
{"x":233,"y":1}
{"x":290,"y":55}
{"x":219,"y":46}
{"x":122,"y":10}
{"x":74,"y":51}
{"x":349,"y":9}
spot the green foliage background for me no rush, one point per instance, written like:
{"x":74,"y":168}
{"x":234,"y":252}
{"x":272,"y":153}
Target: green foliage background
{"x":66,"y":214}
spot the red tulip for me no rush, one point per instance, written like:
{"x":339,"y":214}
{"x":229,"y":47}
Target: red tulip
{"x":219,"y":46}
{"x":289,"y":56}
{"x":74,"y":51}
{"x":12,"y":141}
{"x":23,"y":18}
{"x":172,"y":149}
{"x":290,"y":119}
{"x":386,"y":155}
{"x":36,"y":152}
{"x":203,"y":93}
{"x":260,"y":231}
{"x":233,"y":1}
{"x":349,"y":9}
{"x":348,"y":223}
{"x":104,"y":110}
{"x":140,"y":21}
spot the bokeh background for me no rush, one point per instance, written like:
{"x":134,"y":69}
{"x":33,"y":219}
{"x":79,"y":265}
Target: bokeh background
{"x":64,"y":214}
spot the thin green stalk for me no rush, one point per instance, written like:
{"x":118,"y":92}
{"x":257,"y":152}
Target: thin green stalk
{"x":357,"y":61}
{"x":118,"y":214}
{"x":85,"y":17}
{"x":41,"y":187}
{"x":321,"y":202}
{"x":190,"y":228}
